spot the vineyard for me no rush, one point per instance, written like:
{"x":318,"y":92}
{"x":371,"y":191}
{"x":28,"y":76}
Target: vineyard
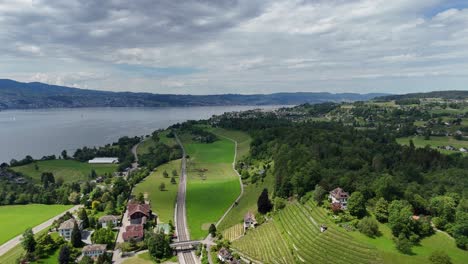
{"x":295,"y":235}
{"x":234,"y":232}
{"x":265,"y":243}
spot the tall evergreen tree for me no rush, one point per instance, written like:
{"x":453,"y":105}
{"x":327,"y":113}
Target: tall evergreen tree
{"x":264,"y":204}
{"x":64,"y":255}
{"x":76,"y":236}
{"x":83,"y":215}
{"x":212,"y":230}
{"x":28,"y":242}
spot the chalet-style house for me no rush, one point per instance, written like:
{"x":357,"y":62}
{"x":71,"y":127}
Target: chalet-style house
{"x":65,"y":229}
{"x":225,"y":256}
{"x":138,"y":214}
{"x":106,"y":220}
{"x":249,"y":221}
{"x":133,"y":232}
{"x":339,"y":197}
{"x":93,"y":251}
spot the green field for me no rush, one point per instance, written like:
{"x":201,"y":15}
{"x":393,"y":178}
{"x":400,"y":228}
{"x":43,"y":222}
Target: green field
{"x":162,"y":202}
{"x":14,"y":219}
{"x":69,"y":170}
{"x":144,"y":146}
{"x":298,"y":226}
{"x":143,"y":258}
{"x":212,"y":184}
{"x":434,"y":142}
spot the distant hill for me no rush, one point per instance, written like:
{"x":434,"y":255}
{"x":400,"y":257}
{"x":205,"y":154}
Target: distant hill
{"x":436,"y":94}
{"x":19,"y":95}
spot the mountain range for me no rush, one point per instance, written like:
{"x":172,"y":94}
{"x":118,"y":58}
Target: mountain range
{"x":20,"y":95}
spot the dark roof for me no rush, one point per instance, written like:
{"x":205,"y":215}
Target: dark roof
{"x":339,"y":193}
{"x":133,"y":231}
{"x":224,"y":253}
{"x":249,"y":217}
{"x":142,"y":208}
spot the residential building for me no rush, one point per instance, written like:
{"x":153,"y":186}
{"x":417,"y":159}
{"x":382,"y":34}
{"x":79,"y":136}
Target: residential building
{"x":133,"y":232}
{"x":106,"y":220}
{"x":339,"y":197}
{"x":224,"y":255}
{"x":93,"y":251}
{"x":249,"y":220}
{"x":65,"y":229}
{"x":139,"y":213}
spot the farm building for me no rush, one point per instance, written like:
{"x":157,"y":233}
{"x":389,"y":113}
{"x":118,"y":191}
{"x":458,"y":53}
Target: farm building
{"x":139,"y":213}
{"x":133,"y":232}
{"x":104,"y":160}
{"x":249,"y":220}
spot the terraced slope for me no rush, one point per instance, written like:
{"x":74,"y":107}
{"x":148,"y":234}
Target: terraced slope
{"x":298,"y":227}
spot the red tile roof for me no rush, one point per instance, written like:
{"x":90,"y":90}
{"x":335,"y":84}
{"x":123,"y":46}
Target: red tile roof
{"x":133,"y":231}
{"x":142,"y":208}
{"x":339,"y":193}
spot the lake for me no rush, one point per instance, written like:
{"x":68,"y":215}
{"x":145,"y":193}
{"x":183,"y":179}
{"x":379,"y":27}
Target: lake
{"x":42,"y":132}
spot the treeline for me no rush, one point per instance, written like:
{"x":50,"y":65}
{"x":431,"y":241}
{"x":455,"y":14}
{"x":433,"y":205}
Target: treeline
{"x":120,"y":149}
{"x":327,"y":154}
{"x":198,"y":134}
{"x":159,"y":153}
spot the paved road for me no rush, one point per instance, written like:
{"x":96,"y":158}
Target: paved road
{"x":17,"y":240}
{"x":180,"y":214}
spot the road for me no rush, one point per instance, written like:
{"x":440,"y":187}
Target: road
{"x":180,"y":212}
{"x":17,"y":240}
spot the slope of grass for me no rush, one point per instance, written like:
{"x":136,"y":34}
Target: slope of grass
{"x":144,"y":146}
{"x":234,"y":232}
{"x":212,"y":184}
{"x":14,"y":219}
{"x":434,"y":142}
{"x":69,"y":170}
{"x":162,"y":202}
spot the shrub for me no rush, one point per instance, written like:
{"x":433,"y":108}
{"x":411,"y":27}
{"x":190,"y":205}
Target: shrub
{"x":369,"y":227}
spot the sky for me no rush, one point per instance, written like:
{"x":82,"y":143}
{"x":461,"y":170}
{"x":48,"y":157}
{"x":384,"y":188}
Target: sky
{"x":244,"y":46}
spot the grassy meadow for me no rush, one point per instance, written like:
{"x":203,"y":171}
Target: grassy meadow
{"x":212,"y":184}
{"x":14,"y":219}
{"x":69,"y":170}
{"x":162,"y":202}
{"x":434,"y":142}
{"x":144,"y":146}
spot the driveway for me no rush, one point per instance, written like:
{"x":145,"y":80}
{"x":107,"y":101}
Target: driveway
{"x":17,"y":240}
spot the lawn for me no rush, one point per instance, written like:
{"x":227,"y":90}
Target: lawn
{"x":434,"y":142}
{"x":143,"y":258}
{"x":13,"y":254}
{"x":212,"y":184}
{"x":14,"y":219}
{"x":163,"y":202}
{"x":69,"y":170}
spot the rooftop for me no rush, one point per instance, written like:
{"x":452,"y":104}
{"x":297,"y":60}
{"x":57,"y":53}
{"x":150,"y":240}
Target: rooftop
{"x":104,"y":160}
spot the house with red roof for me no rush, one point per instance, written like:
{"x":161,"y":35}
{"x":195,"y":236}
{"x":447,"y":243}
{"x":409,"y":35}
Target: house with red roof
{"x":339,"y":198}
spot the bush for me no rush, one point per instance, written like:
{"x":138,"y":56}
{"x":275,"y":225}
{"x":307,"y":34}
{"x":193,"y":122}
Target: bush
{"x":439,"y":257}
{"x":403,"y":244}
{"x":369,"y":227}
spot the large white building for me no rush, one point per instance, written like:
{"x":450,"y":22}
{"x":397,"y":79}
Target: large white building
{"x":95,"y":250}
{"x":104,"y":160}
{"x":66,"y":228}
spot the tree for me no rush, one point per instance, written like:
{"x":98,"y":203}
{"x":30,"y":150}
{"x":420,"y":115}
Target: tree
{"x":86,"y":260}
{"x":28,"y":241}
{"x":173,"y":180}
{"x":357,"y":204}
{"x":162,"y":186}
{"x":369,"y":227}
{"x":75,"y":239}
{"x":95,"y":205}
{"x":158,"y":245}
{"x":104,"y":259}
{"x":64,"y":155}
{"x":403,"y":244}
{"x":399,"y":218}
{"x":263,"y":203}
{"x":443,"y":207}
{"x":64,"y":255}
{"x":439,"y":257}
{"x":381,"y":210}
{"x":83,"y":215}
{"x":212,"y":230}
{"x":319,"y":193}
{"x":93,"y":174}
{"x":165,"y":174}
{"x":140,"y":198}
{"x":174,"y":172}
{"x":110,"y":208}
{"x":103,"y":236}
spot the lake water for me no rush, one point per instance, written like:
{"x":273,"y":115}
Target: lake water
{"x":49,"y":131}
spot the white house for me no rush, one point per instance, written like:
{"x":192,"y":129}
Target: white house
{"x":339,"y":196}
{"x":249,"y":221}
{"x":463,"y":150}
{"x":94,"y":250}
{"x":66,"y":228}
{"x":104,"y":160}
{"x":107,"y":219}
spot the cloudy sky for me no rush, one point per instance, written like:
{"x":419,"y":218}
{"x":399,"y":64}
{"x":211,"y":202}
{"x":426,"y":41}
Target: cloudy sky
{"x":244,"y":46}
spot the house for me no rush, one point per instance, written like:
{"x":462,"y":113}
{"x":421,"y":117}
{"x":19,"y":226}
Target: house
{"x":93,"y":251}
{"x":224,"y":255}
{"x":108,"y":219}
{"x":463,"y":150}
{"x":339,"y":197}
{"x":323,"y":228}
{"x":138,"y":213}
{"x":133,"y":232}
{"x":249,"y":220}
{"x":104,"y":161}
{"x":65,"y":229}
{"x":448,"y":147}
